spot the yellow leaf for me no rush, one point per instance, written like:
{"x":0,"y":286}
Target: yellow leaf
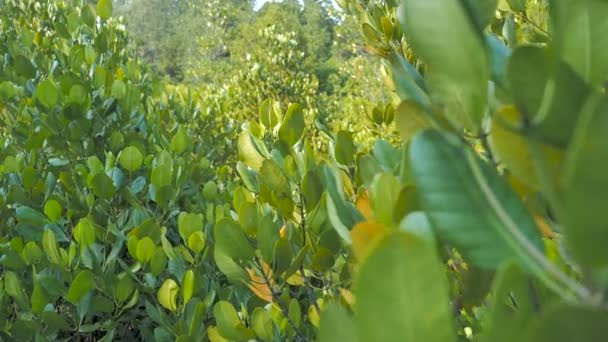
{"x":347,"y":296}
{"x":363,"y":235}
{"x":283,"y":232}
{"x":513,"y":149}
{"x":544,"y":227}
{"x":214,"y":335}
{"x":364,"y":206}
{"x":258,"y":286}
{"x":295,"y":279}
{"x":167,"y":294}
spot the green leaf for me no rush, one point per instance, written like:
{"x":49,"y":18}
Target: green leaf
{"x":14,"y":288}
{"x":228,"y":322}
{"x":104,"y":9}
{"x":31,"y":253}
{"x":233,"y":271}
{"x":8,"y":90}
{"x":385,"y":193}
{"x":345,"y":149}
{"x":179,"y":142}
{"x":580,"y":37}
{"x":119,"y":89}
{"x":337,"y":325}
{"x":269,"y":116}
{"x":274,"y":178}
{"x":162,"y":175}
{"x":189,"y":223}
{"x":231,"y":240}
{"x":30,"y":216}
{"x":210,"y":190}
{"x":513,"y":149}
{"x":196,"y":242}
{"x":458,"y":65}
{"x":482,"y":11}
{"x":167,"y":294}
{"x":342,"y":214}
{"x":82,"y":283}
{"x":188,"y":285}
{"x":47,"y":94}
{"x":411,"y":119}
{"x":53,"y":210}
{"x":585,"y":184}
{"x":248,"y":153}
{"x":467,"y":201}
{"x":517,"y":5}
{"x":293,"y":124}
{"x":565,"y":323}
{"x":84,"y":233}
{"x":49,"y":245}
{"x":124,"y":287}
{"x":131,"y":158}
{"x":401,"y":284}
{"x":262,"y":324}
{"x":158,"y":262}
{"x":511,"y":308}
{"x":103,"y":186}
{"x":145,"y":249}
{"x":546,"y":94}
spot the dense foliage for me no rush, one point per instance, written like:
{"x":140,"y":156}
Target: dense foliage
{"x":271,"y":200}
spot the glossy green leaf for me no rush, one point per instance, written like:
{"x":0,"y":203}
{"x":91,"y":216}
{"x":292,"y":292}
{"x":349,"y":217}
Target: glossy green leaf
{"x":189,"y":223}
{"x":81,"y":285}
{"x":47,"y":94}
{"x":411,"y":119}
{"x":49,"y":245}
{"x":84,"y":233}
{"x":248,"y":153}
{"x":458,"y":66}
{"x":262,"y":324}
{"x":293,"y":124}
{"x":188,"y":285}
{"x":145,"y":249}
{"x":345,"y":149}
{"x":385,"y":194}
{"x":231,"y":240}
{"x":53,"y":210}
{"x":14,"y":287}
{"x":233,"y":271}
{"x":580,"y":37}
{"x":162,"y":175}
{"x":131,"y":158}
{"x":158,"y":262}
{"x":179,"y":142}
{"x":196,"y":242}
{"x":546,"y":94}
{"x":273,"y":177}
{"x":269,"y":116}
{"x":119,"y":89}
{"x":103,"y":186}
{"x":470,"y":205}
{"x":337,"y":325}
{"x":585,"y":184}
{"x":228,"y":323}
{"x":482,"y":11}
{"x":401,"y":284}
{"x":104,"y":9}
